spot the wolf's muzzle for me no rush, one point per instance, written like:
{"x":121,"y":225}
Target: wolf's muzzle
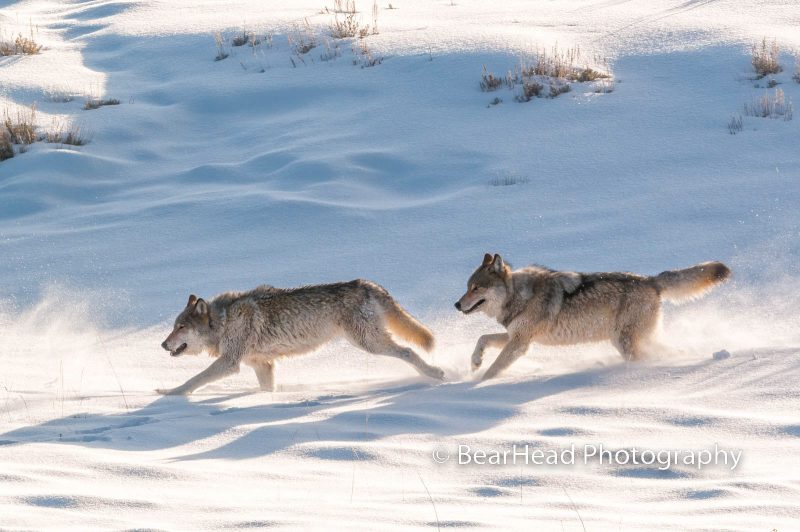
{"x":475,"y":306}
{"x":181,"y":348}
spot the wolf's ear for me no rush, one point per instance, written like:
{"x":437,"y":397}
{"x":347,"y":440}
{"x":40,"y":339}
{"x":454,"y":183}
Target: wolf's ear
{"x":201,"y":308}
{"x":497,"y":264}
{"x":487,"y":259}
{"x":192,"y":300}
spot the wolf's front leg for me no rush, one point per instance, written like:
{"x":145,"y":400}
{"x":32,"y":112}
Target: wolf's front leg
{"x":487,"y":340}
{"x":515,"y":348}
{"x":221,"y":367}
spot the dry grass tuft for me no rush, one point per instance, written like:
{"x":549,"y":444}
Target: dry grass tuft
{"x":735,"y":125}
{"x":551,"y":73}
{"x":302,"y":39}
{"x":20,"y":127}
{"x":489,"y":82}
{"x":770,"y":106}
{"x":97,"y":103}
{"x":508,"y":181}
{"x":364,"y":57}
{"x":6,"y":148}
{"x":344,"y":6}
{"x":349,"y":26}
{"x":245,"y":37}
{"x":64,"y":133}
{"x":345,"y":27}
{"x":765,"y":58}
{"x":222,"y":52}
{"x":564,"y":64}
{"x":20,"y":46}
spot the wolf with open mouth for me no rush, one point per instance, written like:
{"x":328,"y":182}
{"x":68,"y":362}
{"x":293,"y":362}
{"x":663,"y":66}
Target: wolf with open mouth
{"x":536,"y":304}
{"x":260,"y":326}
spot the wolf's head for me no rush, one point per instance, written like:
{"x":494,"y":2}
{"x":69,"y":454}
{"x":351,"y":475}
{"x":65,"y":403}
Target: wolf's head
{"x":191,"y":333}
{"x":487,"y":288}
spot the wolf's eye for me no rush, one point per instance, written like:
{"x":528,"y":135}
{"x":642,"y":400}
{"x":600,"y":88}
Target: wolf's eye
{"x":180,"y":326}
{"x":474,"y":288}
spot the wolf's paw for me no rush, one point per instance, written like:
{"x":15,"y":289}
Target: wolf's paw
{"x":437,"y":373}
{"x":476,"y":363}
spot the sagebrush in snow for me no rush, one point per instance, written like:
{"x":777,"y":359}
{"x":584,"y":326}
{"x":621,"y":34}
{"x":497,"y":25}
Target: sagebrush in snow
{"x":796,"y":76}
{"x":557,"y":89}
{"x":530,"y":90}
{"x":765,"y":58}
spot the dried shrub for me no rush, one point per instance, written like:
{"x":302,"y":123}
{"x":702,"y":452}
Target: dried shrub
{"x":552,"y":73}
{"x":364,"y":57}
{"x":530,"y":90}
{"x":345,"y":27}
{"x":765,"y":58}
{"x":63,"y":133}
{"x":6,"y":147}
{"x":20,"y":46}
{"x":489,"y":82}
{"x":557,"y":89}
{"x":20,"y":127}
{"x":302,"y":39}
{"x":97,"y":103}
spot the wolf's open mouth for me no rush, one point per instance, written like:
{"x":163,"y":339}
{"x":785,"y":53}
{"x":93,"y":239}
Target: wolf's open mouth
{"x":179,"y":350}
{"x":476,"y":305}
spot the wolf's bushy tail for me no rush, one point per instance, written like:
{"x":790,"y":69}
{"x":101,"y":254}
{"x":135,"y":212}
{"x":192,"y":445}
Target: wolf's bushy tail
{"x":690,"y":283}
{"x":404,"y":325}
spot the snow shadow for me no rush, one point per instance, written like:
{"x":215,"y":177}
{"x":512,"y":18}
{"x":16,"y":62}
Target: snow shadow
{"x":445,"y":410}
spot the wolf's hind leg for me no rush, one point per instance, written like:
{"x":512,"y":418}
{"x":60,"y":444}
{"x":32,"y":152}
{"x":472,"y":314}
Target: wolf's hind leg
{"x":377,"y":341}
{"x":265,"y":372}
{"x":636,"y":330}
{"x":487,"y":340}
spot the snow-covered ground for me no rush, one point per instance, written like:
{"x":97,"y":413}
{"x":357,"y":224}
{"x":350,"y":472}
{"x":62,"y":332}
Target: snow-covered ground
{"x":217,"y":175}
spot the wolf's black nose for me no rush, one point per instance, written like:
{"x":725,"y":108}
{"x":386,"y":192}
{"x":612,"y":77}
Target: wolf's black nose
{"x":164,"y":345}
{"x":458,"y":305}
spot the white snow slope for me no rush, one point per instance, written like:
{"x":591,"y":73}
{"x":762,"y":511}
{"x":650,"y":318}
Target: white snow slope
{"x":218,"y":175}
